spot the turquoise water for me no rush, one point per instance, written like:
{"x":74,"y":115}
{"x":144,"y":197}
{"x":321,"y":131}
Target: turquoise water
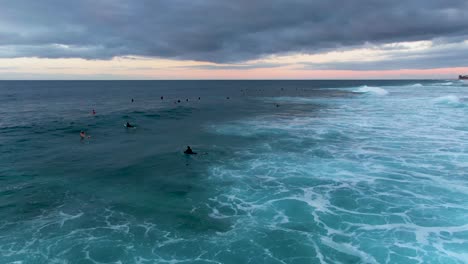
{"x":339,"y":172}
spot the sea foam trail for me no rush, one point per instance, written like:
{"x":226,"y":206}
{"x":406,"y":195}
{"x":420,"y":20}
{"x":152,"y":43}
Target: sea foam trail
{"x":291,"y":99}
{"x":371,"y":90}
{"x":444,"y":84}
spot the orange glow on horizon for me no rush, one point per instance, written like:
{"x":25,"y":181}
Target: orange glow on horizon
{"x":159,"y":69}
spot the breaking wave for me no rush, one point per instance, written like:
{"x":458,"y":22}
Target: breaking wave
{"x":448,"y":100}
{"x":371,"y":90}
{"x":444,"y":84}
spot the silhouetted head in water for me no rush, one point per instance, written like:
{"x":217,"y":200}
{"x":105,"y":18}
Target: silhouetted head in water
{"x":178,"y":101}
{"x":94,"y":112}
{"x":227,"y":97}
{"x":132,"y":100}
{"x":199,"y":98}
{"x":83,"y":135}
{"x":186,"y":100}
{"x":162,"y":97}
{"x":189,"y":151}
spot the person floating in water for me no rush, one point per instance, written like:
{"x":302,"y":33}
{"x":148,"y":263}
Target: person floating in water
{"x":132,"y":100}
{"x":162,"y":97}
{"x":83,"y":135}
{"x":128,"y":125}
{"x":94,"y":112}
{"x":189,"y":151}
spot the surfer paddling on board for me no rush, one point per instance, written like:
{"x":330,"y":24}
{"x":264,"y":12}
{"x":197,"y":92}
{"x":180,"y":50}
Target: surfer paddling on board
{"x":189,"y":151}
{"x":128,"y":125}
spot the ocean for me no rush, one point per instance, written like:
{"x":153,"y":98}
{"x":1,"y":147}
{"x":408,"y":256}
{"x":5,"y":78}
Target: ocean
{"x":286,"y":172}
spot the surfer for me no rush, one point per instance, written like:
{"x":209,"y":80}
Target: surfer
{"x":189,"y":151}
{"x":83,"y":135}
{"x":128,"y":125}
{"x":132,"y":100}
{"x":94,"y":112}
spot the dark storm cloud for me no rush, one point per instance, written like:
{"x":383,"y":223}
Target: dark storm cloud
{"x":215,"y":30}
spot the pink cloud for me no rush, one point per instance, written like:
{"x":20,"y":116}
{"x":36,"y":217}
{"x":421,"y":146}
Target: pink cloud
{"x":290,"y":73}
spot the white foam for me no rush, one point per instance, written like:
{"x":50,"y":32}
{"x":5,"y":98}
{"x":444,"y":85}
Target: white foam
{"x":281,"y":218}
{"x":417,"y":85}
{"x":349,"y":249}
{"x":319,"y":254}
{"x":216,"y":214}
{"x":357,"y":150}
{"x":291,"y":99}
{"x":371,"y":90}
{"x":66,"y":217}
{"x":445,"y":83}
{"x":447,"y":99}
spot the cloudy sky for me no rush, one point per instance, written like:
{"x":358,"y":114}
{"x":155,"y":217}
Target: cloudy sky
{"x":236,"y":39}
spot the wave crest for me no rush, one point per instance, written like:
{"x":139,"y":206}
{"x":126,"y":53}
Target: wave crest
{"x":371,"y":90}
{"x":444,"y":84}
{"x":448,"y":100}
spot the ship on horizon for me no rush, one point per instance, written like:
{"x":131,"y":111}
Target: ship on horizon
{"x":463,"y":77}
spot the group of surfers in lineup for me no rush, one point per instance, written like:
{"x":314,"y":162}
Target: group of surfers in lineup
{"x":188,"y":151}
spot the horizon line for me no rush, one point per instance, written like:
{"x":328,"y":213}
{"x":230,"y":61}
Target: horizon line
{"x":403,"y":79}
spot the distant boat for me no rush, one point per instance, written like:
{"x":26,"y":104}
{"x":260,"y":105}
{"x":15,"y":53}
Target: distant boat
{"x":463,"y":77}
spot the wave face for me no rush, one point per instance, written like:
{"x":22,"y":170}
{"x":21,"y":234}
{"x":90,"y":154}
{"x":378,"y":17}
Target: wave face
{"x":287,"y":172}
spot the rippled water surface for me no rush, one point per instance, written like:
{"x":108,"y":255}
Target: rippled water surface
{"x":286,"y":172}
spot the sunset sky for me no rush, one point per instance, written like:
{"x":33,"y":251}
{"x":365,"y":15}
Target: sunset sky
{"x":298,"y":39}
